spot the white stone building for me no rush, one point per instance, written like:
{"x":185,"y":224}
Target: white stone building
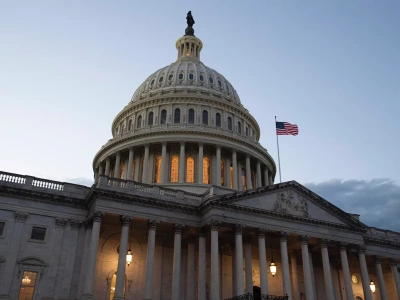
{"x":185,"y":186}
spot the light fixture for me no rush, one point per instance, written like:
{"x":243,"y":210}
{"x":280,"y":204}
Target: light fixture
{"x":113,"y":288}
{"x":26,"y":280}
{"x":272,"y":266}
{"x":372,"y":286}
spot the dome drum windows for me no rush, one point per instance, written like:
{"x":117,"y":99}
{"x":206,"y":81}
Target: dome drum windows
{"x":205,"y":117}
{"x":218,"y":120}
{"x":163,"y":118}
{"x":191,"y":116}
{"x":181,"y":76}
{"x":239,"y":127}
{"x":211,"y":80}
{"x":170,"y":77}
{"x":191,"y":77}
{"x":150,"y":119}
{"x":139,"y":122}
{"x":229,"y":123}
{"x":201,"y":78}
{"x":177,"y":116}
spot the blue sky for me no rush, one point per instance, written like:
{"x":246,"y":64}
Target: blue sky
{"x":331,"y":67}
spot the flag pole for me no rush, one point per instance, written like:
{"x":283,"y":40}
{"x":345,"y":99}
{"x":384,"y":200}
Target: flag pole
{"x":279,"y":159}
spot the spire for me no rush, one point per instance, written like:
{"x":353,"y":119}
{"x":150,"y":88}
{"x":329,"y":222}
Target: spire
{"x":190,"y":22}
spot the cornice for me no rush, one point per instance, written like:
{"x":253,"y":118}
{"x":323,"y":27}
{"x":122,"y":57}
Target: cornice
{"x":379,"y":242}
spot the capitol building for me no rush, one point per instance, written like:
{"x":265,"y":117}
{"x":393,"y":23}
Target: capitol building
{"x":186,"y":206}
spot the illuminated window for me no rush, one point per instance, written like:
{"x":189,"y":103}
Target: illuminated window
{"x":139,"y":122}
{"x":231,"y":176}
{"x":229,"y":123}
{"x":174,"y":168}
{"x":222,"y":172}
{"x":239,"y":127}
{"x":157,"y":171}
{"x":190,"y":169}
{"x":141,"y":169}
{"x":133,"y":169}
{"x":205,"y":117}
{"x":113,"y":286}
{"x":28,"y":283}
{"x":218,"y":120}
{"x":121,"y":172}
{"x":244,"y":178}
{"x":177,"y":116}
{"x":163,"y":116}
{"x":150,"y":119}
{"x":206,"y":170}
{"x":191,"y":116}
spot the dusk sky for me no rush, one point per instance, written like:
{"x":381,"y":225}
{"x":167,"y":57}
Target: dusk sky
{"x":331,"y":67}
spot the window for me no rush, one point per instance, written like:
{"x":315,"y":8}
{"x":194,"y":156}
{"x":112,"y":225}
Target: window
{"x":211,"y":80}
{"x":38,"y":233}
{"x":121,"y":172}
{"x":177,"y":116}
{"x":28,"y":283}
{"x":219,"y":83}
{"x":190,"y":169}
{"x":152,"y":82}
{"x":174,"y":168}
{"x":2,"y":226}
{"x":191,"y":116}
{"x":239,"y":128}
{"x":201,"y":77}
{"x":191,"y":76}
{"x":229,"y":123}
{"x":150,"y":118}
{"x":206,"y":170}
{"x":163,"y":116}
{"x":205,"y":117}
{"x":130,"y":125}
{"x":218,"y":120}
{"x":180,"y":77}
{"x":222,"y":172}
{"x":139,"y":121}
{"x":161,"y":79}
{"x":157,"y":171}
{"x":170,"y":77}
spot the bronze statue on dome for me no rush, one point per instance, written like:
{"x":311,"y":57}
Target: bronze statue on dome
{"x":190,"y":22}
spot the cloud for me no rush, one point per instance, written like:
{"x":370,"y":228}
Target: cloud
{"x":376,"y":201}
{"x":81,"y":181}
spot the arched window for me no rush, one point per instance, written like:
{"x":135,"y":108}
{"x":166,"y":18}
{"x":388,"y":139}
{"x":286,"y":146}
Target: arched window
{"x":191,"y":116}
{"x":244,"y":185}
{"x":247,"y":131}
{"x":122,"y":172}
{"x":157,"y":170}
{"x":206,"y":170}
{"x":177,"y":116}
{"x":222,"y":172}
{"x":150,"y":118}
{"x":205,"y":117}
{"x":163,"y":116}
{"x":218,"y":120}
{"x":190,"y":169}
{"x":239,"y":128}
{"x":133,"y":170}
{"x":130,"y":125}
{"x":229,"y":123}
{"x":174,"y":168}
{"x":139,"y":122}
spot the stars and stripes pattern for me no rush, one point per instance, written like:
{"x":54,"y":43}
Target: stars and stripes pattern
{"x":285,"y":128}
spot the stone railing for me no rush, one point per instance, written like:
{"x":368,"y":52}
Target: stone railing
{"x":129,"y":185}
{"x":250,"y":296}
{"x":12,"y":178}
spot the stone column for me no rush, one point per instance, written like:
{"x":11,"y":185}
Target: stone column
{"x":306,"y":267}
{"x":13,"y":249}
{"x":248,"y":173}
{"x":164,"y":166}
{"x":258,"y":167}
{"x":176,"y":267}
{"x":287,"y":289}
{"x":151,"y":245}
{"x":312,"y":274}
{"x":364,"y":273}
{"x":101,"y":169}
{"x":239,"y":259}
{"x":85,"y":257}
{"x":248,"y":265}
{"x":266,"y":178}
{"x":396,"y":279}
{"x":239,"y":176}
{"x":200,"y":164}
{"x":182,"y":162}
{"x":234,"y":275}
{"x":227,"y":172}
{"x":130,"y":165}
{"x":107,"y":172}
{"x":92,"y":257}
{"x":327,"y":270}
{"x":214,"y":261}
{"x":123,"y":248}
{"x":235,"y":170}
{"x":295,"y":277}
{"x":218,"y":163}
{"x":117,"y":165}
{"x":381,"y":280}
{"x":262,"y":256}
{"x":346,"y":271}
{"x":146,"y":163}
{"x":201,"y":282}
{"x":190,"y":279}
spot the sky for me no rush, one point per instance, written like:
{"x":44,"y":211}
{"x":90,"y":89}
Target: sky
{"x":331,"y":67}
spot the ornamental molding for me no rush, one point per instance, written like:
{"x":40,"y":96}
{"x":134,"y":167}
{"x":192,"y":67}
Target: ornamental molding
{"x":287,"y":203}
{"x":380,"y":242}
{"x":21,"y":216}
{"x":60,"y":222}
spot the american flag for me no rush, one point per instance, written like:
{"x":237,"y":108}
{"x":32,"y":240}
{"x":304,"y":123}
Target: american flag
{"x":285,"y":128}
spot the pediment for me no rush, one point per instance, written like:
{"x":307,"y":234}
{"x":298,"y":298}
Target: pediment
{"x":293,"y":199}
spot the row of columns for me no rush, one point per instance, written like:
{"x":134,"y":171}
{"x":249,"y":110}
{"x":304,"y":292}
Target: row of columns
{"x":237,"y":169}
{"x":239,"y":285}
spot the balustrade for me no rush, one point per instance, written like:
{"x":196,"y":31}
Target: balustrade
{"x":250,"y":296}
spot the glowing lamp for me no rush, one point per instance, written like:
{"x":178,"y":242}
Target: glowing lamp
{"x":272,"y":268}
{"x":26,"y":280}
{"x":129,"y":257}
{"x":372,"y":286}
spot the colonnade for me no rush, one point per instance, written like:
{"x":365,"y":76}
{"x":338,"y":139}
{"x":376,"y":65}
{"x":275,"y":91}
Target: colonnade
{"x":240,"y":284}
{"x":240,"y":171}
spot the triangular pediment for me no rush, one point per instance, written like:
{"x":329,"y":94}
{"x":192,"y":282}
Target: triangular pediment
{"x":293,"y":199}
